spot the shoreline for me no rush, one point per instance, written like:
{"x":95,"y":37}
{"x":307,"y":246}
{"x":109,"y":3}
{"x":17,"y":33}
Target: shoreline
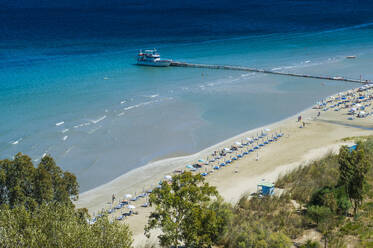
{"x":168,"y":163}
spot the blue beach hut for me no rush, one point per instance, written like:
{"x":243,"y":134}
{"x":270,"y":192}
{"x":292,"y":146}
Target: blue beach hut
{"x":352,"y":148}
{"x":266,"y":188}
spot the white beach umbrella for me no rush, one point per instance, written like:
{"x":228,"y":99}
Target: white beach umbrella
{"x":238,"y":143}
{"x":128,"y":196}
{"x":226,"y":149}
{"x":358,"y":105}
{"x":267,"y":130}
{"x":131,"y":207}
{"x":168,"y":177}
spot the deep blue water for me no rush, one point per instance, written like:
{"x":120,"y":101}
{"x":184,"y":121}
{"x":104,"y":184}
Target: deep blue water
{"x":72,"y":62}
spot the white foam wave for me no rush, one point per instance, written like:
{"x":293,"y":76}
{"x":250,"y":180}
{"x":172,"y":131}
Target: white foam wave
{"x":16,"y":141}
{"x":82,"y":125}
{"x":68,"y":150}
{"x":99,"y":119}
{"x":65,"y":130}
{"x":143,"y":104}
{"x":123,"y":102}
{"x":65,"y":138}
{"x":130,"y":107}
{"x":59,"y":123}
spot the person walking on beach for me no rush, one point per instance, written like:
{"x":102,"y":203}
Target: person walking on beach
{"x":112,"y":198}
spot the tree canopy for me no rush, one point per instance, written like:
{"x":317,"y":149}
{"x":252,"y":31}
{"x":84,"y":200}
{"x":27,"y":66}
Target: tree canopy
{"x":36,"y":209}
{"x":58,"y":225}
{"x":354,"y":166}
{"x":23,"y":184}
{"x":183,"y":214}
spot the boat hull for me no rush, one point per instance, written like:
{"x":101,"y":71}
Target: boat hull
{"x":160,"y":63}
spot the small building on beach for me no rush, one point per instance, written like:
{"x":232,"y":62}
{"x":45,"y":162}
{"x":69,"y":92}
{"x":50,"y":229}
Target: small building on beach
{"x":266,"y":188}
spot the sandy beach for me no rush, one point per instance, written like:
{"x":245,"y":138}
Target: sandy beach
{"x":298,"y":146}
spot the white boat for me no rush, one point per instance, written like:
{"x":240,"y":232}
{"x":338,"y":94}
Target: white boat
{"x":152,"y":58}
{"x":351,"y":57}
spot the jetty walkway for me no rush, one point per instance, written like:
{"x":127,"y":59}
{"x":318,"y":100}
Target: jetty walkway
{"x":243,"y":68}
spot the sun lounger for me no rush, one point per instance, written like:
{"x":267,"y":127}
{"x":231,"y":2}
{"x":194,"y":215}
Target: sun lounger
{"x":142,"y":195}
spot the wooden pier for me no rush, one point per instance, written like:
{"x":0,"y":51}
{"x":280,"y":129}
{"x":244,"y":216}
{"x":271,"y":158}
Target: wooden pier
{"x":243,"y":68}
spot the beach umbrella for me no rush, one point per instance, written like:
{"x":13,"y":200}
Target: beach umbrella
{"x":267,"y":130}
{"x":128,"y":196}
{"x":201,"y":160}
{"x":131,"y":207}
{"x":227,"y":149}
{"x":168,"y":177}
{"x":189,"y":166}
{"x":238,"y":143}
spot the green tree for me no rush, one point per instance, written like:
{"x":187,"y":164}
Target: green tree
{"x":318,"y":213}
{"x":182,"y":212}
{"x":21,"y":184}
{"x":353,"y":168}
{"x":58,"y":225}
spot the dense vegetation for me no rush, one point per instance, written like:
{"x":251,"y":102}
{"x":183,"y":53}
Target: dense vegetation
{"x":36,"y":209}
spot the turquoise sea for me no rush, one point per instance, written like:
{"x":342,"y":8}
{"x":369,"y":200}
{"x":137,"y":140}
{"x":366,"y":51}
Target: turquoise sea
{"x":69,"y":86}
